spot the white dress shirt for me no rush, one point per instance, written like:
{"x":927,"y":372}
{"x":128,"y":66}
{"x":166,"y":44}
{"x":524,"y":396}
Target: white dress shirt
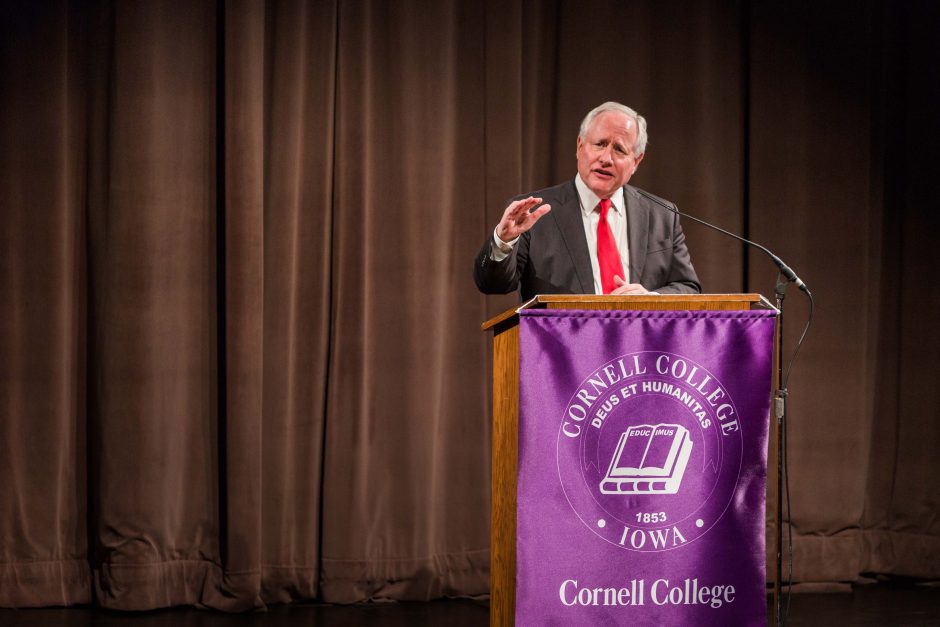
{"x":617,"y":219}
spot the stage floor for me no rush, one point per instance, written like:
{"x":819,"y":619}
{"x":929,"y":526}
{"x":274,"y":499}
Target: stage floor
{"x":876,"y":604}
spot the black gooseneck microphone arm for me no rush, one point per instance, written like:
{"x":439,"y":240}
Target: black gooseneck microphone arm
{"x":785,"y":270}
{"x":780,"y":395}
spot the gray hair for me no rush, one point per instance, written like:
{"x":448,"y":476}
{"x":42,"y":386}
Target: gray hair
{"x":640,"y":146}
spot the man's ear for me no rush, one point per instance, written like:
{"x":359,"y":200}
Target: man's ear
{"x":638,"y":159}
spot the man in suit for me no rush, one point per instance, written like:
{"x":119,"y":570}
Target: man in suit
{"x":594,"y":234}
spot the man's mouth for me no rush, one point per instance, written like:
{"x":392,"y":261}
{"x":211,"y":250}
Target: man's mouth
{"x":602,"y":173}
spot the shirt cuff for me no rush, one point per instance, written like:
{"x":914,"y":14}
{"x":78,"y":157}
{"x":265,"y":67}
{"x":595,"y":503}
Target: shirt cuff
{"x":499,"y":249}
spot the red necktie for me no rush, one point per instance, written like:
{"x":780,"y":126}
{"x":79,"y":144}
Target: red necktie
{"x":608,"y":257}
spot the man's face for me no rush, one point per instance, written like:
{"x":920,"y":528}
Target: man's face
{"x":605,"y":154}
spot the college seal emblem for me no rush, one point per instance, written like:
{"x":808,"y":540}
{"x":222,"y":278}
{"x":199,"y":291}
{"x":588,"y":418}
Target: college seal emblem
{"x":649,"y":451}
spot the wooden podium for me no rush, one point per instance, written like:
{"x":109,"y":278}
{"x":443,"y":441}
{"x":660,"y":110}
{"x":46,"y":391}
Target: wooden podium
{"x":505,"y":329}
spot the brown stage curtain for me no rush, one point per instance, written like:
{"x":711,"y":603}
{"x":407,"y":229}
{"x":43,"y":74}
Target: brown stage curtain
{"x":239,"y":350}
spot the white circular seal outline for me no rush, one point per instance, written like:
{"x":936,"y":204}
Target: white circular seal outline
{"x":710,"y":502}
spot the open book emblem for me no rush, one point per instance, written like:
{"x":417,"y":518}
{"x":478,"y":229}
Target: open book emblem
{"x":649,"y":459}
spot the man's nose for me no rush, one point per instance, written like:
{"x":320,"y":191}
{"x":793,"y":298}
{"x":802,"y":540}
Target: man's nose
{"x":606,"y":155}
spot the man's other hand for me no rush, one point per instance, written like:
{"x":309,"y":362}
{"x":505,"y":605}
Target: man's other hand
{"x":628,"y":288}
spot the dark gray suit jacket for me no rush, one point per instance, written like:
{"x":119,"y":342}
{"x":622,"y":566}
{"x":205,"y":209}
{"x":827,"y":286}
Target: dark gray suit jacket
{"x":552,"y":257}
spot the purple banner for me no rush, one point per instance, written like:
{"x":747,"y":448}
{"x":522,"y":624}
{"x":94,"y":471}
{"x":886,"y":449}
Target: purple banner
{"x":642,"y":464}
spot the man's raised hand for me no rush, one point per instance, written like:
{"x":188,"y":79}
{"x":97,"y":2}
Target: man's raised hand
{"x":519,"y":218}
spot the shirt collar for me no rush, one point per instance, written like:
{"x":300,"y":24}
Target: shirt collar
{"x":590,"y":200}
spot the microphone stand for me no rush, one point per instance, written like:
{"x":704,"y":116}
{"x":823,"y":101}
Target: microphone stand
{"x":780,"y":404}
{"x":780,"y":394}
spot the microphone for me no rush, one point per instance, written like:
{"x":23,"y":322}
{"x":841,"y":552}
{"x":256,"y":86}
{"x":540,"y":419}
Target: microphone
{"x":785,"y":270}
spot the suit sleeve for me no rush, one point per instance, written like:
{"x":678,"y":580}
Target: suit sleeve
{"x":500,"y":277}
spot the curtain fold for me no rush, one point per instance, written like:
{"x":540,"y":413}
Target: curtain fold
{"x":43,"y":554}
{"x":406,"y":426}
{"x":240,"y":358}
{"x":300,"y":66}
{"x":153,"y":322}
{"x":902,"y":505}
{"x":240,"y":54}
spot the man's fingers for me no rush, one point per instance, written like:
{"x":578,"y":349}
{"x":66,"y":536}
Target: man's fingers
{"x":630,"y":289}
{"x":520,"y":209}
{"x":532,"y":218}
{"x":618,"y":281}
{"x":538,"y":213}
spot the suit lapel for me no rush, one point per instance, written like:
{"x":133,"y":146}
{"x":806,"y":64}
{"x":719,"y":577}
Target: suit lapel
{"x":571,"y":226}
{"x":637,"y":225}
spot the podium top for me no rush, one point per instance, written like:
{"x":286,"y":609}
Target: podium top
{"x":728,"y":302}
